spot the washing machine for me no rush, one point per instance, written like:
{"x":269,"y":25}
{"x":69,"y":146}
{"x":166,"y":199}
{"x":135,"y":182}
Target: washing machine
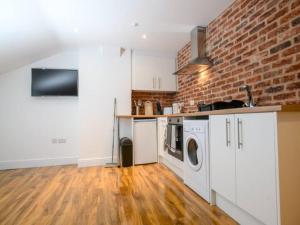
{"x":196,"y":156}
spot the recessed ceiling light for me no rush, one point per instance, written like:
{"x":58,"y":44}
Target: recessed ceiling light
{"x":135,"y":24}
{"x":144,"y":36}
{"x":75,"y":29}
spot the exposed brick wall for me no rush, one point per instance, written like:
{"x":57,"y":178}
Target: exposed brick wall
{"x":255,"y":42}
{"x":166,"y":99}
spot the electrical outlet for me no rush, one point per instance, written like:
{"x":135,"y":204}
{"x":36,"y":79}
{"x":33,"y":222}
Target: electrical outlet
{"x":54,"y":140}
{"x":192,"y":102}
{"x":62,"y":141}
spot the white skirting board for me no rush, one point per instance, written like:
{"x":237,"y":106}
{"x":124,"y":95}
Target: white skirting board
{"x":31,"y":163}
{"x":235,"y":212}
{"x":94,"y":162}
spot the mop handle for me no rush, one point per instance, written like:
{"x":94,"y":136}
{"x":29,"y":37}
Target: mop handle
{"x":113,"y":142}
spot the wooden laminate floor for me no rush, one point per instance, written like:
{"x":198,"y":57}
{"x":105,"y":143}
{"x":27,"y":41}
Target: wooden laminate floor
{"x":148,"y":194}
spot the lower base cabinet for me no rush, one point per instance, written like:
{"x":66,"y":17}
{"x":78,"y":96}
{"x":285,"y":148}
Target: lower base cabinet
{"x":256,"y":166}
{"x":161,"y":136}
{"x":145,"y":141}
{"x":244,"y":165}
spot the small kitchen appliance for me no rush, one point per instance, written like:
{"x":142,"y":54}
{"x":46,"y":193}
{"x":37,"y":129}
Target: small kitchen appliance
{"x":148,"y":108}
{"x":158,"y":108}
{"x":177,"y":107}
{"x":138,"y":104}
{"x":168,"y":110}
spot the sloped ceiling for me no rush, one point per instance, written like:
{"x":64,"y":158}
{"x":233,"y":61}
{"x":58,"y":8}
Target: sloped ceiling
{"x":34,"y":29}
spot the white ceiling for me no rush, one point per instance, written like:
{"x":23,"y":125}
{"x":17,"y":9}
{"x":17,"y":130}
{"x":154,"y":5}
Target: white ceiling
{"x":33,"y":29}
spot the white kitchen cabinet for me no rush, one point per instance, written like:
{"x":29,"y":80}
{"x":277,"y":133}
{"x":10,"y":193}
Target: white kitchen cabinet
{"x":243,"y":162}
{"x":153,"y":73}
{"x":145,"y":141}
{"x":161,"y":136}
{"x":223,"y":155}
{"x":256,"y":165}
{"x":166,"y":80}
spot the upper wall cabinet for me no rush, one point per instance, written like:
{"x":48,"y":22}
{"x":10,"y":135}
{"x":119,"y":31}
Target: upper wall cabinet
{"x":153,"y":73}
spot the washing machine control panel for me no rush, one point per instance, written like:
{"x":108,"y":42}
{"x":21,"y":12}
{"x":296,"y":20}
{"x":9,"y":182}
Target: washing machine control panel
{"x":194,"y":129}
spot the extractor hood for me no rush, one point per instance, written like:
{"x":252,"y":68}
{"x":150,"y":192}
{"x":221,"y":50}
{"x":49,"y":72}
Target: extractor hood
{"x":199,"y":61}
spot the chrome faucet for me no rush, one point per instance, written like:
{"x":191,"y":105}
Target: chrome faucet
{"x":247,"y":88}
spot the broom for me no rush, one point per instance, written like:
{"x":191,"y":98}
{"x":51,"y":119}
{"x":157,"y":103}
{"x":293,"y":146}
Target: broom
{"x":112,"y":163}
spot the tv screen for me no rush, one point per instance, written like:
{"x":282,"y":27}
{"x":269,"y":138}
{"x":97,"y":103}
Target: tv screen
{"x":54,"y":82}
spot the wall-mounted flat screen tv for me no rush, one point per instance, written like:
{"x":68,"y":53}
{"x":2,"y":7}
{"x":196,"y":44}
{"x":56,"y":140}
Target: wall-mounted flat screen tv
{"x":54,"y":82}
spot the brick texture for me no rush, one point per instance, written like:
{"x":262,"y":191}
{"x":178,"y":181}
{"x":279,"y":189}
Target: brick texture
{"x":251,"y":42}
{"x":166,"y":99}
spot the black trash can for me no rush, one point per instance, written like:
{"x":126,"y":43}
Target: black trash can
{"x":126,"y":152}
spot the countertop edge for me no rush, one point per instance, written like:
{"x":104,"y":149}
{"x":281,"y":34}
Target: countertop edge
{"x":259,"y":109}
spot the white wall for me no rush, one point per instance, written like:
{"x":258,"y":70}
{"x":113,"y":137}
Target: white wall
{"x":28,"y":124}
{"x":104,"y":75}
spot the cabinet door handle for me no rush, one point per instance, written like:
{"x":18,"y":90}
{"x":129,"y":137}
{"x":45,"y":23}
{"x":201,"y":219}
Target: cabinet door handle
{"x":240,"y":133}
{"x":228,"y":138}
{"x":165,"y":139}
{"x":158,"y":82}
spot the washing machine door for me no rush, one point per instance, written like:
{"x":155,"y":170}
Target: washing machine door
{"x":194,"y":153}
